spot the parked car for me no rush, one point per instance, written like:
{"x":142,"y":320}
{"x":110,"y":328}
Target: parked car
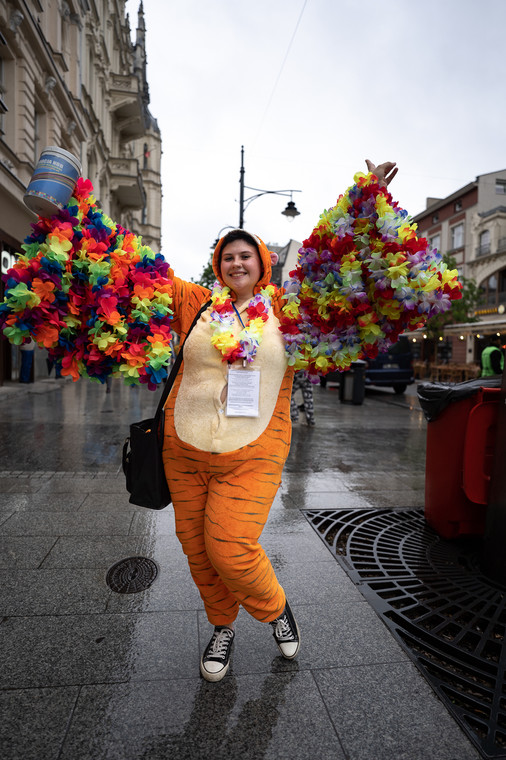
{"x":392,"y":369}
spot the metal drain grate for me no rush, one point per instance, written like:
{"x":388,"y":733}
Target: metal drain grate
{"x":132,"y":575}
{"x":431,"y":593}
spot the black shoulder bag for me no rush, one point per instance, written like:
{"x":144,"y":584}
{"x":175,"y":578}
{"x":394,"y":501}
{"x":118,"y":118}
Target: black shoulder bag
{"x":142,"y":450}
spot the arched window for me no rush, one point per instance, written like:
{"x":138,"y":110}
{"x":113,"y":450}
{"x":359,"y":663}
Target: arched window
{"x":494,"y":289}
{"x":484,"y":248}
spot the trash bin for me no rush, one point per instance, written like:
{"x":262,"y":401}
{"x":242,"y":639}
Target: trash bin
{"x":460,"y":447}
{"x":352,"y":385}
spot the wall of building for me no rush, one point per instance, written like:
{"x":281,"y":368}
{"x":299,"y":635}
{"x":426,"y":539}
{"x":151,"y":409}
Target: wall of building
{"x":70,"y":76}
{"x":481,"y":208}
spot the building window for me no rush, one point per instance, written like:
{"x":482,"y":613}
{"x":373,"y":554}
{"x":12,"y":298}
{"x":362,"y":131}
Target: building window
{"x":458,"y":205}
{"x":435,"y":242}
{"x":501,"y":291}
{"x":457,"y":236}
{"x":493,"y":290}
{"x":435,"y":218}
{"x":484,"y":246}
{"x":500,"y":186}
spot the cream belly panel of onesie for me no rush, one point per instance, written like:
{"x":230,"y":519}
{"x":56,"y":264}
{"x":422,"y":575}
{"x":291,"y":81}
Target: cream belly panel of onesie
{"x":200,"y":410}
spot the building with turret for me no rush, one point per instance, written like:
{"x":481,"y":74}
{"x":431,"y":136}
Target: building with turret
{"x":71,"y":76}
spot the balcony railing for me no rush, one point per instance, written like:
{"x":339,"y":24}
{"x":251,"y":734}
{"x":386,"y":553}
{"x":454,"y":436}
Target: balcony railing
{"x":126,"y":182}
{"x":126,"y":103}
{"x":483,"y":250}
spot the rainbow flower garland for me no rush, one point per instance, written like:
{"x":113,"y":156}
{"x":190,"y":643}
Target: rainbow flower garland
{"x":88,"y":291}
{"x":363,"y":277}
{"x":223,"y":317}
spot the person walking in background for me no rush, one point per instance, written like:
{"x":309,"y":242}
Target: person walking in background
{"x":300,"y":382}
{"x":492,"y":358}
{"x":27,"y":353}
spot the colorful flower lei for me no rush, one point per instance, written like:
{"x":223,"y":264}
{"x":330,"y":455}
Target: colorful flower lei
{"x":223,"y":317}
{"x":92,"y":294}
{"x":362,"y":278}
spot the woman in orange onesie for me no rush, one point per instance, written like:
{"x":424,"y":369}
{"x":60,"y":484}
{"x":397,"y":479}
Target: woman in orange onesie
{"x":227,"y":436}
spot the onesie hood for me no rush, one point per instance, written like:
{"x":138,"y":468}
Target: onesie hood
{"x":265,"y":258}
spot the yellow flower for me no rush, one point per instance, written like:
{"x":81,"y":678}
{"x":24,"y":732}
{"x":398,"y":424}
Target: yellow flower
{"x":223,"y":341}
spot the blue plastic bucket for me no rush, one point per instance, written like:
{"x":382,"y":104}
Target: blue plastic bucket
{"x":53,"y":181}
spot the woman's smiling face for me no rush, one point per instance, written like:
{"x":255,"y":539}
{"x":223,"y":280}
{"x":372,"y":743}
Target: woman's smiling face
{"x":241,"y":268}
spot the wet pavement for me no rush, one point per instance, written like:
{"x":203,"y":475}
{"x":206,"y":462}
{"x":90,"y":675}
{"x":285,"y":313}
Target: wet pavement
{"x":90,"y":673}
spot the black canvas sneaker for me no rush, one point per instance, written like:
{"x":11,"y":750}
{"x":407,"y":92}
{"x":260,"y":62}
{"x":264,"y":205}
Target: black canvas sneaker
{"x":287,"y":634}
{"x":216,"y":658}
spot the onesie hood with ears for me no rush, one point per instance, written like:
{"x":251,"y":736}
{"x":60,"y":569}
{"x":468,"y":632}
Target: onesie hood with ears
{"x":265,"y":258}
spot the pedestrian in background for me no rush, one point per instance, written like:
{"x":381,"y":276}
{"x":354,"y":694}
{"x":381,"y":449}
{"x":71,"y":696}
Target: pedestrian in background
{"x":492,"y":358}
{"x":300,"y":382}
{"x":27,"y":353}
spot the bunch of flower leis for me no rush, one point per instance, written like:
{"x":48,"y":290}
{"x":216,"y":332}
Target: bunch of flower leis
{"x":362,"y":278}
{"x":92,"y":294}
{"x":223,"y":317}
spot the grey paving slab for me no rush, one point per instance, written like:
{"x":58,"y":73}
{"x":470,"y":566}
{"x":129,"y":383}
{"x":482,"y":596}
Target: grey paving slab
{"x":24,"y":551}
{"x":401,"y":499}
{"x":78,"y":552}
{"x":313,"y":482}
{"x":285,"y":520}
{"x":321,"y":582}
{"x":384,"y":481}
{"x":98,"y":486}
{"x":34,"y":722}
{"x":173,"y":589}
{"x":283,"y":549}
{"x":271,"y":716}
{"x":331,"y":500}
{"x":52,"y":592}
{"x":46,"y":502}
{"x":118,"y":500}
{"x":64,"y":524}
{"x":387,"y":711}
{"x":66,"y":650}
{"x":339,"y":634}
{"x":149,"y":521}
{"x":20,"y":485}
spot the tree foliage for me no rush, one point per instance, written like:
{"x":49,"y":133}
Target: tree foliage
{"x":207,"y":277}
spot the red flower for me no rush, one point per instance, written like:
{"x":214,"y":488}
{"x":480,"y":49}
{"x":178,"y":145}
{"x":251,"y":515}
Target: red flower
{"x":257,"y":310}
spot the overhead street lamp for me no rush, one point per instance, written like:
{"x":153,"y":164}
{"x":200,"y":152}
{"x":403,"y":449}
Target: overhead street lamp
{"x":290,"y":211}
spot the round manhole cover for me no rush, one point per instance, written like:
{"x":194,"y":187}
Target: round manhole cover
{"x":132,"y":575}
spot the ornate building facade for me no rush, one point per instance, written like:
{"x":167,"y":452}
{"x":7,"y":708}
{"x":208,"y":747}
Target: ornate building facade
{"x":470,"y":225}
{"x":71,"y":76}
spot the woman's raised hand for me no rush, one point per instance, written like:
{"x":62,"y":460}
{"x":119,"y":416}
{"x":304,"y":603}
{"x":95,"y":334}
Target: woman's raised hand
{"x":384,"y":172}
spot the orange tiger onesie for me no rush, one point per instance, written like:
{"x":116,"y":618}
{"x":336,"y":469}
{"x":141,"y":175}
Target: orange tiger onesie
{"x":224,"y":472}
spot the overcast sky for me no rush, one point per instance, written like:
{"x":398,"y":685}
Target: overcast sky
{"x":311,"y":88}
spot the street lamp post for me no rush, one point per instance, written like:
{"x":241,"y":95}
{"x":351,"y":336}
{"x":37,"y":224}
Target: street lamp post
{"x":290,"y":211}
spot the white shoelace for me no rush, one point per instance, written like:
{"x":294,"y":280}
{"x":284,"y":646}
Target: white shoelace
{"x":220,"y":644}
{"x":283,"y":631}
